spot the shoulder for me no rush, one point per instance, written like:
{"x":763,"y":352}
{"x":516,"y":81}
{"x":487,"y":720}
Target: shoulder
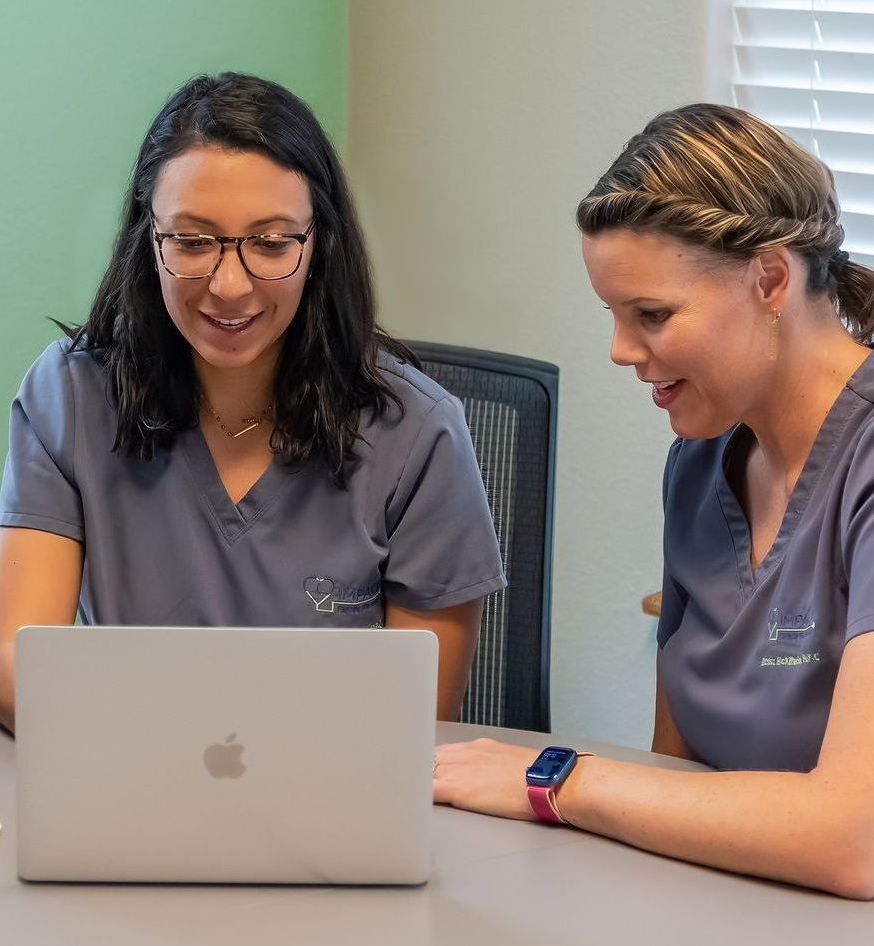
{"x":694,"y":464}
{"x":426,"y":406}
{"x":857,"y":483}
{"x":63,"y":394}
{"x":689,"y":453}
{"x":425,"y":418}
{"x":63,"y":366}
{"x":861,"y":382}
{"x":858,"y":446}
{"x":416,"y":391}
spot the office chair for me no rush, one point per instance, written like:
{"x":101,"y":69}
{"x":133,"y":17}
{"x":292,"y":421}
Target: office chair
{"x":511,"y":407}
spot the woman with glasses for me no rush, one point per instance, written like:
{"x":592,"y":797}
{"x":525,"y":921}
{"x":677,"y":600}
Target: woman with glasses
{"x":230,"y":439}
{"x":714,"y":240}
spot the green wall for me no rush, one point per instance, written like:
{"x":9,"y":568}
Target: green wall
{"x":79,"y":84}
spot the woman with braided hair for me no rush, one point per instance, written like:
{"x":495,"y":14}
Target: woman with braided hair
{"x":715,"y":241}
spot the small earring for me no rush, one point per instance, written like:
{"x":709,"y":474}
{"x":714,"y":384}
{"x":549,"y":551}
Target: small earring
{"x":773,"y":335}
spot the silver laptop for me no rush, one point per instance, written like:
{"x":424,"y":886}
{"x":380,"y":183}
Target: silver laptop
{"x":225,"y":755}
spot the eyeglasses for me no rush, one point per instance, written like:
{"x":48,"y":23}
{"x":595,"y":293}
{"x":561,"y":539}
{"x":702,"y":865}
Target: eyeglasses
{"x":263,"y":255}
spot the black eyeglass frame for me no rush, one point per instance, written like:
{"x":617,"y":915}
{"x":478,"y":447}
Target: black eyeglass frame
{"x":238,"y":242}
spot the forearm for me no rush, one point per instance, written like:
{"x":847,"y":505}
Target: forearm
{"x":7,"y":686}
{"x":40,"y":578}
{"x":453,"y":672}
{"x":456,"y":628}
{"x":783,"y":825}
{"x":451,"y":687}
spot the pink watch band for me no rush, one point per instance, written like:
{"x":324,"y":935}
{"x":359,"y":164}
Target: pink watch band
{"x":542,"y":799}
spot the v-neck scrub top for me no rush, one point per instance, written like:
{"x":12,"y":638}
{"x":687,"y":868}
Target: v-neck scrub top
{"x":749,"y":658}
{"x":165,"y":545}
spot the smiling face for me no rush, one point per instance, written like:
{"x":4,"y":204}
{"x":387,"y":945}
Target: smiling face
{"x":213,"y":191}
{"x":697,"y":332}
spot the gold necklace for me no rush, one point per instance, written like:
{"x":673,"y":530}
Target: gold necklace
{"x":251,"y":422}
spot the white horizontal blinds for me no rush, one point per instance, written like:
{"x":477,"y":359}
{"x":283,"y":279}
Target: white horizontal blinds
{"x":807,"y":66}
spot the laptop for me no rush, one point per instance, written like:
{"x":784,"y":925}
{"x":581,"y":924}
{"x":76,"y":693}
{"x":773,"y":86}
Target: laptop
{"x":225,"y":755}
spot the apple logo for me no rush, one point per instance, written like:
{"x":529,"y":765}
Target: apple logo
{"x":223,"y":760}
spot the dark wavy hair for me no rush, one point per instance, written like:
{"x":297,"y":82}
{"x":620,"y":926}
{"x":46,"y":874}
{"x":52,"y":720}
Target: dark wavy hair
{"x":327,"y":372}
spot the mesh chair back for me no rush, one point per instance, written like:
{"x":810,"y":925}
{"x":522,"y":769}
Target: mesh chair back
{"x":510,"y":404}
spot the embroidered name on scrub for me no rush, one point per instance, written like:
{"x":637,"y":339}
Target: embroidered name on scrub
{"x":795,"y":661}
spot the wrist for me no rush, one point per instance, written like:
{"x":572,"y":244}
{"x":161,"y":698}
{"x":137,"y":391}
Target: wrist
{"x":568,"y":796}
{"x":546,"y":776}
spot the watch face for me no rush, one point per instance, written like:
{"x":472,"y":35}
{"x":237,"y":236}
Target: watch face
{"x":551,"y":767}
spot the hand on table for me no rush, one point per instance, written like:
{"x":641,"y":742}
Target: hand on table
{"x":485,"y":776}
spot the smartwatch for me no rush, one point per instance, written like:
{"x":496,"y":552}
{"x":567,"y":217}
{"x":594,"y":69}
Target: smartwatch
{"x":545,"y":775}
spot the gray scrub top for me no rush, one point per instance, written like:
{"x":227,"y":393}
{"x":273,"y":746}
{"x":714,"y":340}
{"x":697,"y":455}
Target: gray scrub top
{"x":165,"y":545}
{"x":749,"y":658}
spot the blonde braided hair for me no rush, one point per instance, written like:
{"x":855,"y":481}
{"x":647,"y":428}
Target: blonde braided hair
{"x":722,"y":179}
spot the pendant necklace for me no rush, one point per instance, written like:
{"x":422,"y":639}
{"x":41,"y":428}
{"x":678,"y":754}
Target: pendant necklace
{"x":250,"y":422}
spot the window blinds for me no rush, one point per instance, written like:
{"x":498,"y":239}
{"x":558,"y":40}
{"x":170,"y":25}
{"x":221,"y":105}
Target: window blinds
{"x":807,"y":66}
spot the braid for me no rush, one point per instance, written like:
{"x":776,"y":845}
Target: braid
{"x":708,"y":175}
{"x":715,"y":227}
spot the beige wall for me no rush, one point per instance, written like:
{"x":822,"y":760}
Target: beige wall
{"x":474,"y":128}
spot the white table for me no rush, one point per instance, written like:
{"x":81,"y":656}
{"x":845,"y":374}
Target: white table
{"x":495,"y":883}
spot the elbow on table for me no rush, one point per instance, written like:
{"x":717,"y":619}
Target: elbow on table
{"x":836,"y":848}
{"x":851,"y":883}
{"x":854,"y":877}
{"x":846,"y":867}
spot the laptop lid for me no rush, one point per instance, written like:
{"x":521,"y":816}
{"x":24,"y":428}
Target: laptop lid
{"x":231,"y":755}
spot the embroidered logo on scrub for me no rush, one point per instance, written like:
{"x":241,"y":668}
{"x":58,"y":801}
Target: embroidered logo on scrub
{"x":327,"y":597}
{"x":790,"y":629}
{"x":789,"y":626}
